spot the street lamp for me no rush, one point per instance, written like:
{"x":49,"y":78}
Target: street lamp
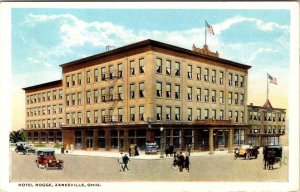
{"x":161,"y":141}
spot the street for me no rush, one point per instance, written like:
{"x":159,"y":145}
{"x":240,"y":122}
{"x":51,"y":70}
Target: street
{"x":95,"y":169}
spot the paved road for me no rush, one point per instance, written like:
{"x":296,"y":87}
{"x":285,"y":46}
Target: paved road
{"x":95,"y":169}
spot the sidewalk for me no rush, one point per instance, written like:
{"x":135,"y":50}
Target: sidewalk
{"x":116,"y":154}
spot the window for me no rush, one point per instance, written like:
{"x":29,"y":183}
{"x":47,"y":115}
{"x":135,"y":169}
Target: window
{"x":132,"y":114}
{"x":120,"y":115}
{"x":158,"y":113}
{"x":242,"y":99}
{"x":214,"y":114}
{"x":206,"y":75}
{"x":60,"y":94}
{"x":190,"y":93}
{"x":168,"y":67}
{"x":111,"y":93}
{"x":88,"y":117}
{"x":103,"y":74}
{"x":158,"y":65}
{"x":236,"y":115}
{"x":229,"y":98}
{"x":230,"y":79}
{"x":68,"y":118}
{"x":221,"y":115}
{"x":73,"y":98}
{"x":73,"y":118}
{"x":111,"y":115}
{"x":177,"y":69}
{"x":73,"y":80}
{"x":79,"y":78}
{"x":88,"y":97}
{"x":59,"y":108}
{"x":206,"y":95}
{"x":168,"y":113}
{"x":142,"y":90}
{"x":96,"y":75}
{"x":177,"y":91}
{"x":79,"y":98}
{"x":189,"y":112}
{"x":221,"y":77}
{"x":189,"y":73}
{"x":103,"y":116}
{"x":68,"y":100}
{"x":198,"y":114}
{"x":221,"y":97}
{"x":198,"y":94}
{"x":230,"y":115}
{"x":242,"y":81}
{"x":236,"y":96}
{"x":44,"y":97}
{"x":68,"y":81}
{"x":213,"y":77}
{"x":79,"y":117}
{"x":132,"y":91}
{"x":198,"y":73}
{"x":236,"y":80}
{"x":54,"y":96}
{"x":206,"y":114}
{"x":132,"y":68}
{"x":242,"y":117}
{"x":142,"y":65}
{"x":159,"y":89}
{"x":111,"y":72}
{"x":213,"y":97}
{"x":54,"y":109}
{"x":120,"y":93}
{"x":120,"y":70}
{"x":168,"y":90}
{"x":96,"y":116}
{"x":177,"y":113}
{"x":49,"y":96}
{"x":142,"y":113}
{"x":96,"y":95}
{"x":88,"y":77}
{"x":48,"y":109}
{"x":103,"y":95}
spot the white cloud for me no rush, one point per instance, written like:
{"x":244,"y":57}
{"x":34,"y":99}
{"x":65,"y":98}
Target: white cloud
{"x":35,"y":61}
{"x":260,"y":51}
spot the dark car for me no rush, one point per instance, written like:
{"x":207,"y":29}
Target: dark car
{"x":246,"y":151}
{"x":46,"y":159}
{"x":22,"y":147}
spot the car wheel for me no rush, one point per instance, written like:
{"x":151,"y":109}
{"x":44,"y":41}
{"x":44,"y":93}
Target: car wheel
{"x":24,"y":152}
{"x":62,"y":166}
{"x":256,"y":156}
{"x":235,"y":156}
{"x":46,"y":166}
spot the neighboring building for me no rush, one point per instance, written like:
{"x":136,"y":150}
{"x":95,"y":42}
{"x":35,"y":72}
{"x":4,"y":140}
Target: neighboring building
{"x":44,"y":112}
{"x":267,"y":124}
{"x":124,"y":96}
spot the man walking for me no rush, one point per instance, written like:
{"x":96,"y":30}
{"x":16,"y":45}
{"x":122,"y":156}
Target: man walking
{"x":180,"y":161}
{"x":121,"y":162}
{"x":125,"y":161}
{"x":187,"y":162}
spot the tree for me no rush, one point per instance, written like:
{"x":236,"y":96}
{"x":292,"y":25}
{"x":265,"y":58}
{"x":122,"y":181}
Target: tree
{"x":16,"y":136}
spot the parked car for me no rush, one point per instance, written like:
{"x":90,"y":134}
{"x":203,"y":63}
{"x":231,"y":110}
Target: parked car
{"x":22,"y":147}
{"x":246,"y":151}
{"x":46,"y":159}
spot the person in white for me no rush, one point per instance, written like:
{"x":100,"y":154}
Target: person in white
{"x":121,"y":162}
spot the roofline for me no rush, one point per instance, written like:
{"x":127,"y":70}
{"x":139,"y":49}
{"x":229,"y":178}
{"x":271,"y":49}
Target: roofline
{"x":261,"y":107}
{"x":152,"y":44}
{"x":51,"y":83}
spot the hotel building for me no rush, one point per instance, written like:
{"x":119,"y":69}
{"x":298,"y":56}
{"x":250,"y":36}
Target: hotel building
{"x":267,"y":124}
{"x":126,"y":95}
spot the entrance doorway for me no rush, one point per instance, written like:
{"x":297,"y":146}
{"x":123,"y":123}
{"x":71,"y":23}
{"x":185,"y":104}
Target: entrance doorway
{"x":204,"y":140}
{"x":89,"y":140}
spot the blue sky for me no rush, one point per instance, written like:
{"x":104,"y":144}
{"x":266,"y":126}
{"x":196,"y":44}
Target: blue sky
{"x":42,"y":39}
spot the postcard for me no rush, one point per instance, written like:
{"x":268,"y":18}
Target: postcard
{"x":150,"y":96}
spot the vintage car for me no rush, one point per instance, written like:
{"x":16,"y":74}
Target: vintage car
{"x":22,"y":147}
{"x":246,"y":151}
{"x":46,"y":159}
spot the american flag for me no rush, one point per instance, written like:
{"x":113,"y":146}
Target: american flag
{"x":272,"y":79}
{"x":209,"y":28}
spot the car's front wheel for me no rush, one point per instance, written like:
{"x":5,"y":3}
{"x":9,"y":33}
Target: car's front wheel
{"x":248,"y":156}
{"x":46,"y":166}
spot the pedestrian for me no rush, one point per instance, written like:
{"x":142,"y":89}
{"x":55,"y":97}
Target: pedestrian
{"x":187,"y":162}
{"x":180,"y":161}
{"x":132,"y":151}
{"x":125,"y":161}
{"x":121,"y":162}
{"x":265,"y":157}
{"x":189,"y":149}
{"x":72,"y":148}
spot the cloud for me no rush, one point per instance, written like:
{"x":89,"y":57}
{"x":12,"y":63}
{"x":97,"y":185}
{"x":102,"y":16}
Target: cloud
{"x":263,"y":26}
{"x":260,"y":51}
{"x":35,"y":61}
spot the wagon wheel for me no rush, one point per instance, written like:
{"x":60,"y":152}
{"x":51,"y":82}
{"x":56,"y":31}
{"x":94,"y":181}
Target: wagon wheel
{"x":46,"y":166}
{"x":174,"y":167}
{"x":247,"y":156}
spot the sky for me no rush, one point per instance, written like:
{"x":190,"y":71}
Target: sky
{"x":44,"y":38}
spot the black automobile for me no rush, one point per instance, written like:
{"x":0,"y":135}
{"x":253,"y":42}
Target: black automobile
{"x":22,"y":147}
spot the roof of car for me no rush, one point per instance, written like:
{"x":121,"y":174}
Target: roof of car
{"x":47,"y":150}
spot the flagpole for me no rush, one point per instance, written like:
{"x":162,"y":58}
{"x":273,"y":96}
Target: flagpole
{"x":205,"y":31}
{"x":267,"y":88}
